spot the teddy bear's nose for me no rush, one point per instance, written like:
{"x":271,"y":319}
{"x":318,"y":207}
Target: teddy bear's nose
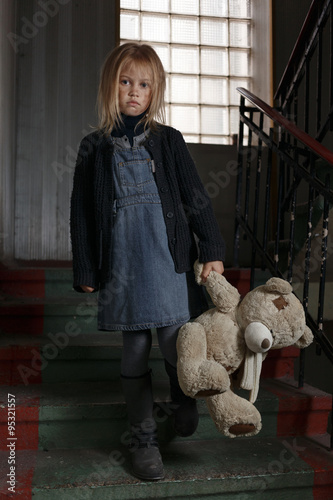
{"x":265,"y":344}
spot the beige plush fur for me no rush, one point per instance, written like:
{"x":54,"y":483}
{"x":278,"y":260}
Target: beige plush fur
{"x":235,"y":336}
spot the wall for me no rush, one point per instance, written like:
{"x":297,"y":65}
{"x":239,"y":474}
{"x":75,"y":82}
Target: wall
{"x":58,"y":50}
{"x":7,"y":130}
{"x":288,"y":19}
{"x":59,"y":54}
{"x":217,"y":166}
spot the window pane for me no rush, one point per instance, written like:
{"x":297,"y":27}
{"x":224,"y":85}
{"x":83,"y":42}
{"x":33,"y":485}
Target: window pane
{"x":130,"y":26}
{"x":218,"y":8}
{"x":185,"y":89}
{"x":185,"y":7}
{"x":184,"y":30}
{"x":130,"y":4}
{"x":167,"y":89}
{"x":155,"y":28}
{"x":239,"y":63}
{"x":214,"y":62}
{"x":214,"y":91}
{"x":192,"y":138}
{"x":215,"y":121}
{"x":185,"y":60}
{"x":239,"y":8}
{"x":153,"y":6}
{"x":163,"y":53}
{"x":213,"y":139}
{"x":234,"y":95}
{"x":234,"y":121}
{"x":239,"y":34}
{"x":185,"y":118}
{"x":214,"y":32}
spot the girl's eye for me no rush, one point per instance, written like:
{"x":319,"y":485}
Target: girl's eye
{"x":124,"y":82}
{"x":145,"y":85}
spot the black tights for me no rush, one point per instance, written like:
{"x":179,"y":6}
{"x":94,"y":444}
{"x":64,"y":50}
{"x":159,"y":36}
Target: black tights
{"x":137,"y":345}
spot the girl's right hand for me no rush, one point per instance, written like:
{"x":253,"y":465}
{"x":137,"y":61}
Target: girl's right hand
{"x":87,"y":289}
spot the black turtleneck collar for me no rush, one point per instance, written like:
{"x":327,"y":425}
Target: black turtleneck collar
{"x":128,"y":127}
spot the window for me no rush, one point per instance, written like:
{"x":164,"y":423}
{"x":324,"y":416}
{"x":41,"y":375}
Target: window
{"x":205,"y":48}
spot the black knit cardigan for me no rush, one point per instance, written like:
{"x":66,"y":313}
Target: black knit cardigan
{"x":186,"y":206}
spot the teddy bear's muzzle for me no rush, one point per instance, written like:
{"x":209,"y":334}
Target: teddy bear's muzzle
{"x":258,"y":340}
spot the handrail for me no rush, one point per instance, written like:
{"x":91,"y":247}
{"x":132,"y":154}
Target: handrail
{"x":289,"y":126}
{"x":301,"y":45}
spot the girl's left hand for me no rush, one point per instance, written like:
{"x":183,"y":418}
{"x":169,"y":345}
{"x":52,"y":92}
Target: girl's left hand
{"x":216,"y":265}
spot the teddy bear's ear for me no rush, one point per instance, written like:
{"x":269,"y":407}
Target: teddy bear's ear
{"x":278,"y":285}
{"x":305,"y":340}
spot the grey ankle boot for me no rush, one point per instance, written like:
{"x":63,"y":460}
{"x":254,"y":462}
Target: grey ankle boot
{"x":186,"y":417}
{"x":146,"y":458}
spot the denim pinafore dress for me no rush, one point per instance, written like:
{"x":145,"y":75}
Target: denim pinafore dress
{"x":145,"y":291}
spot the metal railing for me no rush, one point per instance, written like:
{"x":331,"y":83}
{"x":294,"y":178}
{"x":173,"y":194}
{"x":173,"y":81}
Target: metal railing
{"x":284,"y":196}
{"x":305,"y":92}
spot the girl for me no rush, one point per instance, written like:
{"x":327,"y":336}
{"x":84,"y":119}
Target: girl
{"x":137,"y":200}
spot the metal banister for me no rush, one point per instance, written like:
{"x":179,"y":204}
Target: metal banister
{"x":284,"y":195}
{"x":288,"y":126}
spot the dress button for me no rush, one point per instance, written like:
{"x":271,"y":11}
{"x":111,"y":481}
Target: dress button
{"x":164,"y":189}
{"x":151,"y":142}
{"x":160,"y":164}
{"x":169,"y":215}
{"x":173,"y":241}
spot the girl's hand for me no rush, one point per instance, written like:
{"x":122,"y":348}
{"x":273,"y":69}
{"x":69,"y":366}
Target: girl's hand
{"x":87,"y":289}
{"x":216,"y":265}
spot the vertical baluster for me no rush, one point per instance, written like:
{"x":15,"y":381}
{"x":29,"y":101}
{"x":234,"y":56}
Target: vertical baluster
{"x":323,"y":260}
{"x":279,"y":215}
{"x":248,"y":172}
{"x":319,"y":78}
{"x":239,"y":183}
{"x":256,"y":200}
{"x":307,"y":94}
{"x":268,"y":193}
{"x":307,"y":269}
{"x":292,"y":232}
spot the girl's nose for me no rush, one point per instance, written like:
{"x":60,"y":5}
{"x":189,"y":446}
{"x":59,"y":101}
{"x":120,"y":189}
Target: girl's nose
{"x":134,"y":90}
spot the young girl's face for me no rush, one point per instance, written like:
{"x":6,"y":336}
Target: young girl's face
{"x":135,"y":84}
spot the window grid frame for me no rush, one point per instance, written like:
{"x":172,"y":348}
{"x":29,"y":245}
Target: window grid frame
{"x":225,"y":138}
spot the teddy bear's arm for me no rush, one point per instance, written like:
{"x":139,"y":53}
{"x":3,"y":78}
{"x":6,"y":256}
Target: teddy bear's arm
{"x":198,"y":376}
{"x":224,"y":296}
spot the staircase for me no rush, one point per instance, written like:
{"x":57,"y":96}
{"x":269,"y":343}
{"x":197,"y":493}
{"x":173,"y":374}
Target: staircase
{"x":70,"y":434}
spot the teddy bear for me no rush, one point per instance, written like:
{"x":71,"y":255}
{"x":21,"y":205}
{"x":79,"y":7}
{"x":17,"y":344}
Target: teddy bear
{"x":233,"y":338}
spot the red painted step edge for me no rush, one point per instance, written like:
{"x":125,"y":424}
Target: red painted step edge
{"x":25,"y":319}
{"x":22,"y":282}
{"x":320,"y":458}
{"x":303,"y":411}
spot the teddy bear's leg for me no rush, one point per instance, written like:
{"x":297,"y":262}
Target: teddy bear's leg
{"x":234,"y":416}
{"x":198,"y":376}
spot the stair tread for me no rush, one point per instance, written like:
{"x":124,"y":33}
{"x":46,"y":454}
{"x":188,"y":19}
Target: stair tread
{"x":109,"y":392}
{"x":191,"y":469}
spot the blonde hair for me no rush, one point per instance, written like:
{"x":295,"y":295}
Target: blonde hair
{"x":145,"y":57}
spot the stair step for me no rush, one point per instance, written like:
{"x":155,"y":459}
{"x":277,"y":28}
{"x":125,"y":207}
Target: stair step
{"x":83,"y":415}
{"x":294,"y":468}
{"x":60,"y":356}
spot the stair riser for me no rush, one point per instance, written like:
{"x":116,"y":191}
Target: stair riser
{"x":91,"y":426}
{"x":101,"y":433}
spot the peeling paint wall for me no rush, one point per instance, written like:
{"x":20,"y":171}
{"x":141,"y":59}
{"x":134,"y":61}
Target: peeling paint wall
{"x":61,"y":47}
{"x":7,"y":130}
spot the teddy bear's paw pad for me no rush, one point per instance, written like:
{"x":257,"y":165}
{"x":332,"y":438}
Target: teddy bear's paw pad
{"x":242,"y":429}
